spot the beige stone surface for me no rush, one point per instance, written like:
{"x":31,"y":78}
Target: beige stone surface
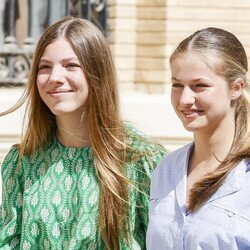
{"x":125,"y":63}
{"x":153,"y":51}
{"x":151,"y":38}
{"x":139,"y":2}
{"x":150,"y":76}
{"x":123,"y":50}
{"x":211,"y":13}
{"x":122,"y":11}
{"x":210,"y":3}
{"x":150,"y":63}
{"x":137,"y":29}
{"x":152,"y":12}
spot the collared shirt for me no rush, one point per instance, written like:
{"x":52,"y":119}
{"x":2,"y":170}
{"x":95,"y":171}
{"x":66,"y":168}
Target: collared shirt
{"x":222,"y":223}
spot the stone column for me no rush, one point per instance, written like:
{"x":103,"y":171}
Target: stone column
{"x":1,"y":23}
{"x":150,"y":74}
{"x":137,"y":33}
{"x":122,"y":23}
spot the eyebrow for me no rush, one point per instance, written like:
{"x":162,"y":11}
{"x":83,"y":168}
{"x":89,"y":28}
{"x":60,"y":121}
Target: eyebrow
{"x":45,"y":60}
{"x":193,"y":80}
{"x":174,"y":78}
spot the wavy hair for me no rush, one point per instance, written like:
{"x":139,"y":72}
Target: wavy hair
{"x":227,"y":57}
{"x":107,"y":131}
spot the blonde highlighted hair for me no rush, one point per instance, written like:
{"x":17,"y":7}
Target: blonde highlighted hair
{"x":107,"y":131}
{"x":224,"y":53}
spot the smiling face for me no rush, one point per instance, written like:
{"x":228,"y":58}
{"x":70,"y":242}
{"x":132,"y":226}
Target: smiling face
{"x":60,"y":79}
{"x":200,"y":97}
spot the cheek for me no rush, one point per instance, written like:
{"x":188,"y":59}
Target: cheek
{"x":210,"y":99}
{"x":40,"y":88}
{"x":83,"y":85}
{"x":174,"y":99}
{"x":76,"y":80}
{"x":41,"y":81}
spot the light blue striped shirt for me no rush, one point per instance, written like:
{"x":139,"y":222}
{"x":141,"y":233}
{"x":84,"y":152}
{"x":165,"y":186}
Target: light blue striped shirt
{"x":222,"y":223}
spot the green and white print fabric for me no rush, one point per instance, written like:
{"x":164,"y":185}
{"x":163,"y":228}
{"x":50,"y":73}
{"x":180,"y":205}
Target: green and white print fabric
{"x":51,"y":200}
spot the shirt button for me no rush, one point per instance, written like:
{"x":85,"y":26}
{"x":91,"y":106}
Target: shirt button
{"x":230,"y":214}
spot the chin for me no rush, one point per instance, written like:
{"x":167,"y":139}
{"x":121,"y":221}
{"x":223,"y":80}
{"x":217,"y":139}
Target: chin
{"x":60,"y":112}
{"x":62,"y":109}
{"x":191,"y":127}
{"x":195,"y":128}
{"x":195,"y":125}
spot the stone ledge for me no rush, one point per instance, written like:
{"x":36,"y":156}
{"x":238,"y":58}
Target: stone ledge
{"x":210,"y":13}
{"x":210,"y":3}
{"x":152,"y":3}
{"x":133,"y":24}
{"x":144,"y":38}
{"x":150,"y":76}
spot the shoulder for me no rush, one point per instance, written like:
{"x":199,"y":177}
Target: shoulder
{"x":140,"y":145}
{"x":10,"y":163}
{"x":11,"y":157}
{"x":140,"y":141}
{"x":247,"y":164}
{"x":164,"y":174}
{"x":173,"y":158}
{"x":142,"y":153}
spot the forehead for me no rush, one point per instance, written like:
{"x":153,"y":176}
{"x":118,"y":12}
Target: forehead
{"x":190,"y":65}
{"x":59,"y":48}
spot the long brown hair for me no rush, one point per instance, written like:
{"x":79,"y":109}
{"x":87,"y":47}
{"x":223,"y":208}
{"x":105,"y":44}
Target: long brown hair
{"x":225,"y":53}
{"x":107,"y":131}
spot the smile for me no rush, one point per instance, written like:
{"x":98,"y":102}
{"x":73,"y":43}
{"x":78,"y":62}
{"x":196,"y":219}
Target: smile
{"x":59,"y":91}
{"x":190,"y":112}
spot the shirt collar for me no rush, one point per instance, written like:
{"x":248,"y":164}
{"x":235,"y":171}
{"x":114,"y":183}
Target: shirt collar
{"x":181,"y":176}
{"x":233,"y":182}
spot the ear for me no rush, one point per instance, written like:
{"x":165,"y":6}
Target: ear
{"x":237,"y":88}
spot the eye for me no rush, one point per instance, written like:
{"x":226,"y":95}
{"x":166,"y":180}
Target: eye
{"x":44,"y":67}
{"x":177,"y":85}
{"x":72,"y":65}
{"x":201,"y":85}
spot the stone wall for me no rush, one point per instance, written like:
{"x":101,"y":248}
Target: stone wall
{"x":143,"y":33}
{"x":138,"y":39}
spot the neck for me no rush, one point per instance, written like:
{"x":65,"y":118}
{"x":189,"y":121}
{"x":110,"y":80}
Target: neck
{"x":72,"y":134}
{"x":213,"y":146}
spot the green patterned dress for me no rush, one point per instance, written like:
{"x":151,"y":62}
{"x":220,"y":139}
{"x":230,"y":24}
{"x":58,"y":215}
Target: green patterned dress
{"x":51,"y":201}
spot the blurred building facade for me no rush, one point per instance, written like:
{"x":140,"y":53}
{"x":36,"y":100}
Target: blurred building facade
{"x":142,"y":35}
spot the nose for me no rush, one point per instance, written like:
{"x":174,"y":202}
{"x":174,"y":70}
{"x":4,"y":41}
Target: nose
{"x":187,"y":97}
{"x":56,"y":75}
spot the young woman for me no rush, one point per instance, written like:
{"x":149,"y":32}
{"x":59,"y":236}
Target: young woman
{"x":200,"y":193}
{"x":79,"y":179}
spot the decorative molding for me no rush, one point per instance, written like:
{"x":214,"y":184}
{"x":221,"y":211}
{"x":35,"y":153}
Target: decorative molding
{"x":14,"y":66}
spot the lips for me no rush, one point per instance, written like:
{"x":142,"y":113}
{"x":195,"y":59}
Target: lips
{"x":190,"y":112}
{"x":59,"y":91}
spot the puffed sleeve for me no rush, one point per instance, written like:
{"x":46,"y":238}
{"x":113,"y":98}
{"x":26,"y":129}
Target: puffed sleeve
{"x":11,"y":207}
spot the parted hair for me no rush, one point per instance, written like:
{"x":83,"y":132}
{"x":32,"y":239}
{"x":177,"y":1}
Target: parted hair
{"x":107,"y":132}
{"x":225,"y":54}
